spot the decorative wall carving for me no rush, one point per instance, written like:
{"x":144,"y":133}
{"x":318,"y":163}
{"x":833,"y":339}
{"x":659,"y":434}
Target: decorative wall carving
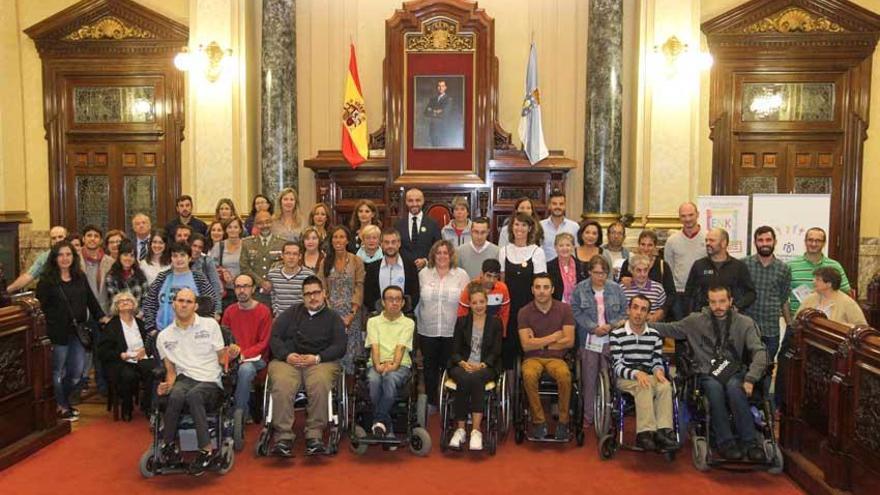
{"x":868,"y":412}
{"x":794,"y":20}
{"x":440,"y":35}
{"x":13,"y":369}
{"x":109,"y":28}
{"x":818,"y":369}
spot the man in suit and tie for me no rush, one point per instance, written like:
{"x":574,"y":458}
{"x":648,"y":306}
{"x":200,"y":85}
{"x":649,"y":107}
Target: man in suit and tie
{"x":141,"y":226}
{"x":259,"y":253}
{"x":419,"y":231}
{"x":437,"y":111}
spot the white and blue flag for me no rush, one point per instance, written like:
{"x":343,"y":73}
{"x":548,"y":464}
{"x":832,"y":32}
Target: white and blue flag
{"x":531,"y":133}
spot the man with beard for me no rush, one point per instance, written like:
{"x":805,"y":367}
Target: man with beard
{"x":251,"y":325}
{"x":556,"y":223}
{"x":719,"y":268}
{"x":185,"y":217}
{"x":718,"y":336}
{"x":393,"y":269}
{"x":772,"y":279}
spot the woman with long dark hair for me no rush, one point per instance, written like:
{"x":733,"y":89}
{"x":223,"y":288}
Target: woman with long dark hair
{"x":158,"y":256}
{"x":365,"y":213}
{"x":66,"y":300}
{"x":343,"y":277}
{"x":260,"y":203}
{"x":125,"y":274}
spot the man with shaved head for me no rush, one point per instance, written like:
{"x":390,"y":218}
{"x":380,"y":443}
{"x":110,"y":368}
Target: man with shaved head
{"x":56,"y":235}
{"x":417,"y":230}
{"x":682,"y":249}
{"x":718,"y":268}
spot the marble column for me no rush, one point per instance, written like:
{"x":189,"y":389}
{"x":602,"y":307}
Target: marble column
{"x":279,"y":164}
{"x":604,"y":107}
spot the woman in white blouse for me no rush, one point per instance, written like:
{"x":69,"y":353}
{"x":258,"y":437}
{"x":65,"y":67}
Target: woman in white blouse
{"x":440,"y":284}
{"x":520,"y":259}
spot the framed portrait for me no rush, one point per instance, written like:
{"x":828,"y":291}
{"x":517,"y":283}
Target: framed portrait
{"x":438,"y":116}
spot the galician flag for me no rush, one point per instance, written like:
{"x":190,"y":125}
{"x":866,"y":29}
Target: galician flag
{"x":530,"y":131}
{"x":355,"y":144}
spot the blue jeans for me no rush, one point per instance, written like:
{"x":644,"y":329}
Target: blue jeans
{"x":383,"y":392}
{"x":246,"y":373}
{"x":67,"y":369}
{"x":772,"y":345}
{"x":732,"y":394}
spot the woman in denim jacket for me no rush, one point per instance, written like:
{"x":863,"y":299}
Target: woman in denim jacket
{"x":599,"y":305}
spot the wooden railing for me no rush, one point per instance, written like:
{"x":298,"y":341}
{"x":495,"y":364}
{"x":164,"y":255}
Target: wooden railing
{"x":830,"y":428}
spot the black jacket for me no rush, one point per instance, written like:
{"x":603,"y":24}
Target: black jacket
{"x":371,"y":283}
{"x":732,"y":273}
{"x":580,"y":269}
{"x":59,"y":325}
{"x":113,"y":341}
{"x":490,"y":348}
{"x":196,"y":224}
{"x":295,"y":330}
{"x":429,"y":233}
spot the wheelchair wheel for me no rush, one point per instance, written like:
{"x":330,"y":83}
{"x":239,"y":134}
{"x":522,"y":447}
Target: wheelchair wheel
{"x":227,"y":459}
{"x":356,"y":446}
{"x":262,"y":447}
{"x":518,"y":436}
{"x":238,"y":429}
{"x":607,"y":447}
{"x":774,"y":455}
{"x":420,"y":442}
{"x":505,"y":403}
{"x":700,"y":453}
{"x":147,"y":463}
{"x":603,"y":403}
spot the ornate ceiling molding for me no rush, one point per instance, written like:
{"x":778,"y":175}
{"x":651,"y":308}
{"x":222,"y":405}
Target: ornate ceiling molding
{"x":794,"y":20}
{"x":109,"y":28}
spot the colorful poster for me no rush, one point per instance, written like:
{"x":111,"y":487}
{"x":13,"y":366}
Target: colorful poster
{"x":791,"y":215}
{"x":730,"y":213}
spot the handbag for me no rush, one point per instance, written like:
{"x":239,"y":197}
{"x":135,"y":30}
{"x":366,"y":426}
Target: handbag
{"x":82,"y":330}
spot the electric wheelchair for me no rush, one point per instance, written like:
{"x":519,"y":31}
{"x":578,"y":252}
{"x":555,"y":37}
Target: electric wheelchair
{"x":223,"y":427}
{"x":611,"y":408}
{"x":547,"y":389}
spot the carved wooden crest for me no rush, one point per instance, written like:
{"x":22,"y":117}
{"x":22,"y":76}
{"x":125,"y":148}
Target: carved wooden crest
{"x":440,"y":34}
{"x":111,"y":28}
{"x":794,"y":20}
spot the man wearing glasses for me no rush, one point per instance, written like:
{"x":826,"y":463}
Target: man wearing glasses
{"x":307,"y":342}
{"x":251,"y":325}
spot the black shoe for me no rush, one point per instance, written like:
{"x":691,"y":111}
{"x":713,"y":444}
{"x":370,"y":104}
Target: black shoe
{"x":730,"y":451}
{"x":539,"y":430}
{"x":665,"y":439}
{"x":283,"y":448}
{"x":314,"y":446}
{"x":74,"y":411}
{"x":201,"y":463}
{"x":756,"y":453}
{"x":170,"y":454}
{"x":645,"y":440}
{"x":68,"y":415}
{"x":562,"y":432}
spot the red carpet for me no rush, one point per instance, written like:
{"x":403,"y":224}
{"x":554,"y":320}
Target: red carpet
{"x":101,"y":456}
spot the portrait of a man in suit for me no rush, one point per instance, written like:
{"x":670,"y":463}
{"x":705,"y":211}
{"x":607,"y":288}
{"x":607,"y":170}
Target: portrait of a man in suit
{"x":438,"y":115}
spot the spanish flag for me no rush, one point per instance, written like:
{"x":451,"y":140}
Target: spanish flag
{"x":354,"y":117}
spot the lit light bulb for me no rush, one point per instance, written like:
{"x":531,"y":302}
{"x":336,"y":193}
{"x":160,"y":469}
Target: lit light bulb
{"x":183,"y":60}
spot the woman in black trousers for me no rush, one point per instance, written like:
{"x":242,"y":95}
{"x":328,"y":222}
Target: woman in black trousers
{"x":125,"y":354}
{"x":476,"y":360}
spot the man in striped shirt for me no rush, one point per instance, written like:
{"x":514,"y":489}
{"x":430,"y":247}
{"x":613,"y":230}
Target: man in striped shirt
{"x":640,"y":267}
{"x":637,"y":354}
{"x":287,"y":279}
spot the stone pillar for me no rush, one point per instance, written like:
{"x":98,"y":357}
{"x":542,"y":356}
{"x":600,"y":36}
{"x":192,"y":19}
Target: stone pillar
{"x":604,"y":107}
{"x":279,"y":164}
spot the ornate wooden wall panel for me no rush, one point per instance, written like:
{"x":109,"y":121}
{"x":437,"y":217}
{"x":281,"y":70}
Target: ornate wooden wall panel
{"x":791,"y":83}
{"x":113,"y":111}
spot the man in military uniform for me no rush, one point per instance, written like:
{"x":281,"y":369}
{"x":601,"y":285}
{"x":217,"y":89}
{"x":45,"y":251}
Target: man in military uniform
{"x":259,"y":253}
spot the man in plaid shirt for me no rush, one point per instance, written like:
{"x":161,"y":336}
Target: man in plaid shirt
{"x":772,"y":279}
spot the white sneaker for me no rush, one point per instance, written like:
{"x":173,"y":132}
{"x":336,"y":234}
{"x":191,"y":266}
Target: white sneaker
{"x":476,"y":440}
{"x":457,"y":438}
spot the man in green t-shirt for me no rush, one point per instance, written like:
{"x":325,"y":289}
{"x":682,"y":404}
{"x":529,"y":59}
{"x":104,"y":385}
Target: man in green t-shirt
{"x":389,"y":337}
{"x":802,"y":268}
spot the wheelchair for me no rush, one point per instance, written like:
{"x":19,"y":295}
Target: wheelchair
{"x":223,"y":427}
{"x":407,"y":415}
{"x":337,"y":414}
{"x":612,"y":405}
{"x":547,"y":389}
{"x":703,"y":452}
{"x":494,"y":423}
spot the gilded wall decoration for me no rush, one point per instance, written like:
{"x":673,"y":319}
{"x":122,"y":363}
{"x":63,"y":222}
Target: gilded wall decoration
{"x":794,"y":20}
{"x":441,"y":35}
{"x":109,"y":28}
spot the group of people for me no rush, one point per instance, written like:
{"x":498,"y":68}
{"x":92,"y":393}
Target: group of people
{"x":306,"y":298}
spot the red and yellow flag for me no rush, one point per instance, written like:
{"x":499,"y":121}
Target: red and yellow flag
{"x":355,"y":144}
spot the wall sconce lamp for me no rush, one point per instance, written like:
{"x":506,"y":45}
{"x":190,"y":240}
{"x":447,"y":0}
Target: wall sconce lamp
{"x":678,"y":57}
{"x":210,"y":59}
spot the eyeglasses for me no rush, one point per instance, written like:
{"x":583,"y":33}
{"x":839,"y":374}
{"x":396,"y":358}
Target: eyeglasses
{"x":599,"y":273}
